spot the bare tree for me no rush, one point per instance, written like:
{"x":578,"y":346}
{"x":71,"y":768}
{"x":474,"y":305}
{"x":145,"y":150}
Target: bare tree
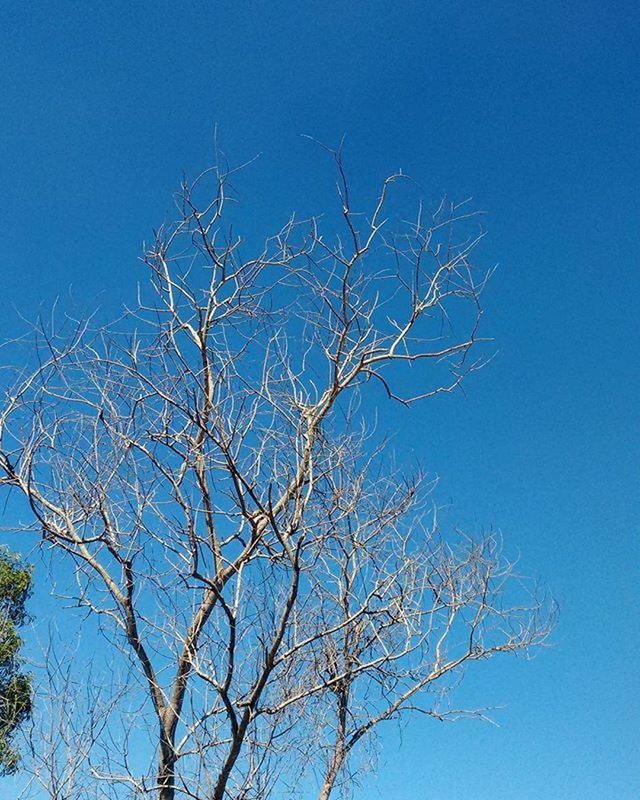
{"x":206,"y":464}
{"x":74,"y":702}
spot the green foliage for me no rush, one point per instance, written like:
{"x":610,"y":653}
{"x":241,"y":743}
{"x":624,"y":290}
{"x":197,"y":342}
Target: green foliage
{"x":15,"y":686}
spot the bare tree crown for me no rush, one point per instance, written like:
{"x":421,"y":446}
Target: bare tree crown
{"x":206,"y":465}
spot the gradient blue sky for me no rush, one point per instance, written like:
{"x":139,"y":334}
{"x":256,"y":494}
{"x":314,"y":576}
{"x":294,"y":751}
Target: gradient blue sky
{"x":532,"y":108}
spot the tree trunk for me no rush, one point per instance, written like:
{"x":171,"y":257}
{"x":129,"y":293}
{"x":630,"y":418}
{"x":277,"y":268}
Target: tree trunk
{"x":166,"y":770}
{"x":332,"y":774}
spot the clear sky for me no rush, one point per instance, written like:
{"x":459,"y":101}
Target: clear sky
{"x":532,"y":108}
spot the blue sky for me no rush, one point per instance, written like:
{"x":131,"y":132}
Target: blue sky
{"x":531,"y":108}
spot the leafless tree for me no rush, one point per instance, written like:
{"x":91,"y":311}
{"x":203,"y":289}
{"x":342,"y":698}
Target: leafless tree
{"x":74,"y":703}
{"x":207,"y":465}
